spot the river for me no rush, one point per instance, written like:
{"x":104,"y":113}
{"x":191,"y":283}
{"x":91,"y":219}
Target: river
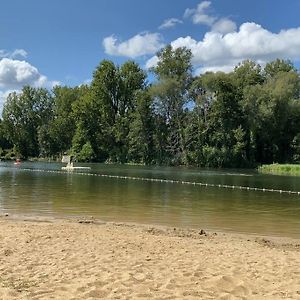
{"x":42,"y":189}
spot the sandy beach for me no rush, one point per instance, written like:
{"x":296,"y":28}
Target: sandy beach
{"x":85,"y":259}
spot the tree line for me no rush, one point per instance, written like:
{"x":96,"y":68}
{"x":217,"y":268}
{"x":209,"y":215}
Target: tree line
{"x":243,"y":118}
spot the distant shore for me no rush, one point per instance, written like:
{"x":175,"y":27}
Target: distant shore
{"x":280,"y":169}
{"x":88,"y":259}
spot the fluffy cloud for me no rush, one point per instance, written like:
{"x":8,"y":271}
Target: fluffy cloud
{"x":224,"y":26}
{"x":199,"y":14}
{"x":170,"y":23}
{"x":219,"y":51}
{"x":139,"y":45}
{"x":16,"y":73}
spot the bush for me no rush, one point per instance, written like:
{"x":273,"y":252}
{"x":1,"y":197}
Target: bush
{"x":87,"y":153}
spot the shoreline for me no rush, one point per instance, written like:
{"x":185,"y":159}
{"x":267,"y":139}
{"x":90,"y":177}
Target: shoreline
{"x":45,"y":258}
{"x":83,"y":219}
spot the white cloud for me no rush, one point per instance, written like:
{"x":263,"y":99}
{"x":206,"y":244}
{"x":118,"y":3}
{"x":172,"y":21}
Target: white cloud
{"x":152,"y":62}
{"x":13,"y":54}
{"x":16,"y":73}
{"x":18,"y":52}
{"x":170,"y":23}
{"x":224,"y":26}
{"x":138,"y":45}
{"x":201,"y":7}
{"x":219,"y":51}
{"x":221,"y":68}
{"x":199,"y":14}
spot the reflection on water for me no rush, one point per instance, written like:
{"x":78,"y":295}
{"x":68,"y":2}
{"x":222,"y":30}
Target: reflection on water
{"x":28,"y":192}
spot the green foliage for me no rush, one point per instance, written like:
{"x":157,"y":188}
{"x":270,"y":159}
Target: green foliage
{"x":86,"y":154}
{"x":105,"y":112}
{"x":4,"y":143}
{"x":278,"y":66}
{"x":296,"y":149}
{"x":63,"y":125}
{"x":79,"y":139}
{"x":23,"y":114}
{"x":171,"y":94}
{"x":141,"y":131}
{"x":247,"y":73}
{"x":280,"y":169}
{"x":247,"y":117}
{"x":274,"y":106}
{"x":45,"y":141}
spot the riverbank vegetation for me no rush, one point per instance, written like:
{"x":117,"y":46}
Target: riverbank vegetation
{"x":247,"y":117}
{"x":280,"y":169}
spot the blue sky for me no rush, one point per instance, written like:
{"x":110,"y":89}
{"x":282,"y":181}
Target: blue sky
{"x":43,"y":43}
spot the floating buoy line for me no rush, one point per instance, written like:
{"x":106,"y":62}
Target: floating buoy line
{"x":202,"y":184}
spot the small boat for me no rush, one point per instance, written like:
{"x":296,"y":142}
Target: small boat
{"x":70,"y":165}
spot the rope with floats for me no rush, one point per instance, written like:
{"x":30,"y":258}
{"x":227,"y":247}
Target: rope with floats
{"x":202,"y":184}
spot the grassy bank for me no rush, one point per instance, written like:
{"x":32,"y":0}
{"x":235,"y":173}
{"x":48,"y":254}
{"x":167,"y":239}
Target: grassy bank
{"x":280,"y":169}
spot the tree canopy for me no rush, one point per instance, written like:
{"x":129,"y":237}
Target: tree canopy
{"x":243,"y":118}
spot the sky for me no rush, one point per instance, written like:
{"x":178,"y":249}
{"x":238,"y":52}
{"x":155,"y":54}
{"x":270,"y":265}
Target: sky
{"x":45,"y":43}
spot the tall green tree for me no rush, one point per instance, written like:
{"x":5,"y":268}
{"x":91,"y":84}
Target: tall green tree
{"x":23,"y":115}
{"x":56,"y":136}
{"x":273,"y":106}
{"x":279,"y":65}
{"x":141,"y":131}
{"x":4,"y":143}
{"x":105,"y":111}
{"x":171,"y":95}
{"x":132,"y":82}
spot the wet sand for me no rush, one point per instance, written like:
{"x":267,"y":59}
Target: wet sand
{"x":65,"y":259}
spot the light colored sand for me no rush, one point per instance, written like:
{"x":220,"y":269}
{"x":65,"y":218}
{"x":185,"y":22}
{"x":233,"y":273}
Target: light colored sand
{"x":68,"y":260}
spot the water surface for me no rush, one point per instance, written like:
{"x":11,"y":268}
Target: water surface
{"x":28,"y":192}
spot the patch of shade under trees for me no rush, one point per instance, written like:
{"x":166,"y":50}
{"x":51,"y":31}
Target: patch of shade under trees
{"x":247,"y":117}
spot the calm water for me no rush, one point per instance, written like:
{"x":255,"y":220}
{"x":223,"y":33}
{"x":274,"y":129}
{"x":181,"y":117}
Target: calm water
{"x":70,"y":194}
